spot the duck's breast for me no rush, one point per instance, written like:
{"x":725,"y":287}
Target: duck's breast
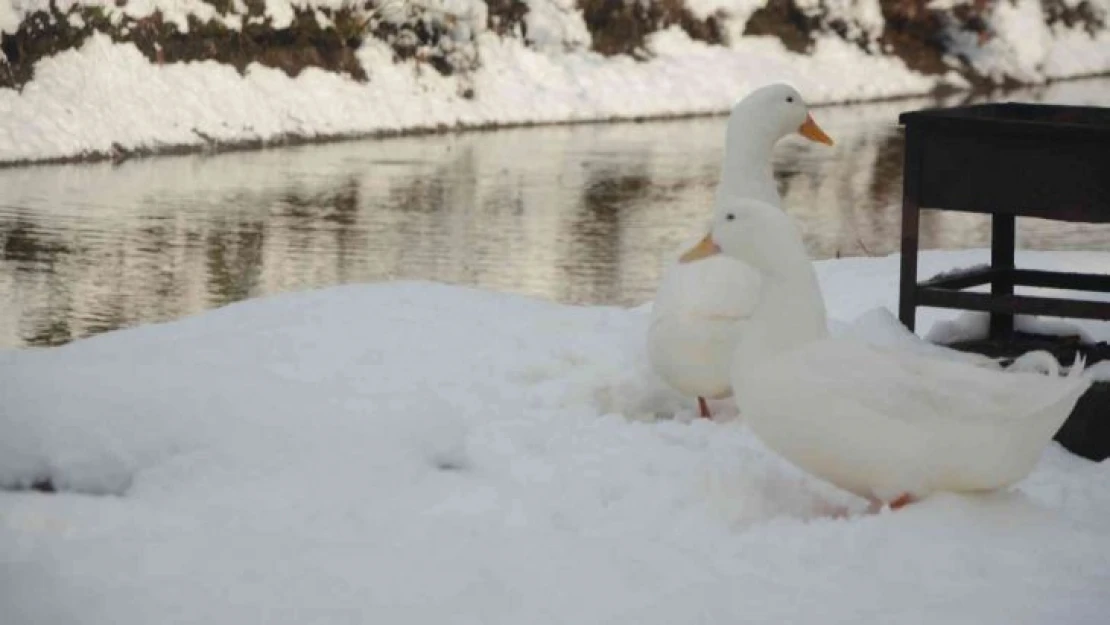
{"x":694,"y":357}
{"x":715,"y":287}
{"x":697,"y":318}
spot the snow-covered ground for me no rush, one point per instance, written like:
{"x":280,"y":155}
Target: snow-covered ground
{"x":105,"y":97}
{"x":420,"y":453}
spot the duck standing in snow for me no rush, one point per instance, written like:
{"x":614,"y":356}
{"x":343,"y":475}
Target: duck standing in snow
{"x":890,"y":425}
{"x":700,"y":306}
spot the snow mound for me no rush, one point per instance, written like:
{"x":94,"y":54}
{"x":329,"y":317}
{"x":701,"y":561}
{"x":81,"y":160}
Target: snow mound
{"x":387,"y":357}
{"x":417,"y":453}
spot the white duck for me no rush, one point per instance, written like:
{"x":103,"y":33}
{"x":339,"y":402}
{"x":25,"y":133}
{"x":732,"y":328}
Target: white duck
{"x":698,"y":307}
{"x":888,"y":424}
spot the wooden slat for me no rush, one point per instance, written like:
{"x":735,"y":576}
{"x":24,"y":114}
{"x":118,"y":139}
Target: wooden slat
{"x":1062,"y":280}
{"x":1023,"y":277}
{"x":962,"y":280}
{"x":1013,"y":304}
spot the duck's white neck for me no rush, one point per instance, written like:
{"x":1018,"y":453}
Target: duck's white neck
{"x":790,"y":313}
{"x":746,"y":172}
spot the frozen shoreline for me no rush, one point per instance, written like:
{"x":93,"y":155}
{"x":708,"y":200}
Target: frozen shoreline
{"x":195,"y":105}
{"x":107,"y":100}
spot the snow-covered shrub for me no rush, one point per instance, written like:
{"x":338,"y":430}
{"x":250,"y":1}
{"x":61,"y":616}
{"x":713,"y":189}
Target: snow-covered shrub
{"x":290,"y":34}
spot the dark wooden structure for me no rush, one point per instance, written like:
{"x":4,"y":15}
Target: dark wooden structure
{"x":1006,"y":160}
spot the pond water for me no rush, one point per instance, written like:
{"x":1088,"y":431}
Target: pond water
{"x":581,"y":214}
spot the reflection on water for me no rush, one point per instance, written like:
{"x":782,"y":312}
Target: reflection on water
{"x":582,"y":214}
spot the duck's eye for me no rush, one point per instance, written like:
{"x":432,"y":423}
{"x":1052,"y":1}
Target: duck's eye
{"x":730,"y":216}
{"x":790,"y":99}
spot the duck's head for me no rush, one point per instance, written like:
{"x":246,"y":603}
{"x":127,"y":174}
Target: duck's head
{"x":774,"y":111}
{"x":754,"y":232}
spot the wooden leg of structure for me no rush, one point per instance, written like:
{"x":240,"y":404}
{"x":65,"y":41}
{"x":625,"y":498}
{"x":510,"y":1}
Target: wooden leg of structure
{"x":1002,"y":262}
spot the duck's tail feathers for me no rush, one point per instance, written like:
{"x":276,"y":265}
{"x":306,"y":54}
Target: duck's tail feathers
{"x":1078,"y":366}
{"x":1043,"y":362}
{"x":1038,"y":361}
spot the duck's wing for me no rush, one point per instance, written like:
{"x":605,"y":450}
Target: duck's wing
{"x":713,"y":289}
{"x":881,"y":328}
{"x":922,"y":389}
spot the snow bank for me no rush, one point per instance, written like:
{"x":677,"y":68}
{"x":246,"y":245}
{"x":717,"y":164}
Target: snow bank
{"x":105,"y":98}
{"x":556,"y":26}
{"x":417,"y":453}
{"x":140,"y":106}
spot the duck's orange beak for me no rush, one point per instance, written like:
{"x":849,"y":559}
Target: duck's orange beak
{"x":810,"y":130}
{"x":704,"y":249}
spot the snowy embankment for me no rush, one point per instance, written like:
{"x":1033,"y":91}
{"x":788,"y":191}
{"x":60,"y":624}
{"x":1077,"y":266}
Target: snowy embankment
{"x":160,"y":75}
{"x":418,"y":453}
